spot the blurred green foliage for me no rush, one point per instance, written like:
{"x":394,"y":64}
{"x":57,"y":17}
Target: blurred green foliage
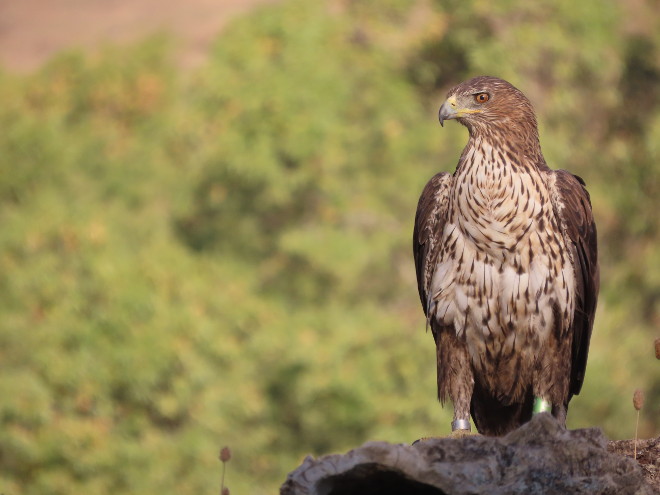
{"x":223,"y":258}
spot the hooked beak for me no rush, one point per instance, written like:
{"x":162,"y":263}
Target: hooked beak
{"x":447,"y":110}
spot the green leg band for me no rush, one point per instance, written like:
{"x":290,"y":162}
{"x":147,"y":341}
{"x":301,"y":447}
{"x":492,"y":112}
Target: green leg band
{"x":541,"y":405}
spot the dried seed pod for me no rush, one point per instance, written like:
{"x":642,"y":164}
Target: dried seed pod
{"x":638,"y":399}
{"x":657,"y":348}
{"x":225,"y":454}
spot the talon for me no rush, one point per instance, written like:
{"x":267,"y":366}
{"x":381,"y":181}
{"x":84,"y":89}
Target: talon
{"x":423,"y":439}
{"x":453,"y":434}
{"x":462,"y":433}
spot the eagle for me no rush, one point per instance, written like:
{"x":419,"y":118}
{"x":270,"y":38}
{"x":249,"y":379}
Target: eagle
{"x":507,"y":269}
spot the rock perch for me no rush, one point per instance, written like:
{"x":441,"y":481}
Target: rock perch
{"x":539,"y":457}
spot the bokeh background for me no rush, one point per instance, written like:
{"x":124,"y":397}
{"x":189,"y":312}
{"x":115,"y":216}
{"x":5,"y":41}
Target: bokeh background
{"x":206,"y":213}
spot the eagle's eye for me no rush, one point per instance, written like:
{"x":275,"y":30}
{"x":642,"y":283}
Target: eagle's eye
{"x":481,"y":97}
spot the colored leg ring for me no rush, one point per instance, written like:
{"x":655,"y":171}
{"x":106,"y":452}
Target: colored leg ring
{"x":460,"y":424}
{"x":541,"y":405}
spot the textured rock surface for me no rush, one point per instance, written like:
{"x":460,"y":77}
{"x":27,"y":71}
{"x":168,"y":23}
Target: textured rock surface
{"x":539,"y":457}
{"x":648,"y":457}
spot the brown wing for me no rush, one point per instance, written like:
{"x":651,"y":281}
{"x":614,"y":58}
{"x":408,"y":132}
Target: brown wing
{"x":429,"y":222}
{"x":572,"y":206}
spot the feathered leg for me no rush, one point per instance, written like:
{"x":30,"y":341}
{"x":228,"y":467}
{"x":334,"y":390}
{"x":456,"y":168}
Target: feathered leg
{"x":552,"y":376}
{"x":455,"y":376}
{"x":559,"y":412}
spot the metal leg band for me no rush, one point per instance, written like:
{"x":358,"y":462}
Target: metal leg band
{"x":460,"y":424}
{"x":541,"y":405}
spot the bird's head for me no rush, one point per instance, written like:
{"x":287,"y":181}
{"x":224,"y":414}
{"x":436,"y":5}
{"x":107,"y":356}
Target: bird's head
{"x":487,"y":102}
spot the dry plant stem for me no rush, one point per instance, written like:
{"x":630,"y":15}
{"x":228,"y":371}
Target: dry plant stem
{"x":638,"y":402}
{"x":636,"y":427}
{"x":225,"y":455}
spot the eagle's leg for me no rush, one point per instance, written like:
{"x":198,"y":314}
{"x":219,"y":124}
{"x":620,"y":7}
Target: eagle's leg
{"x":551,"y":378}
{"x":559,"y":412}
{"x":455,"y":376}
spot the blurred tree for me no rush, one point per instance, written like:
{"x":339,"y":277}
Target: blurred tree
{"x":222,"y":258}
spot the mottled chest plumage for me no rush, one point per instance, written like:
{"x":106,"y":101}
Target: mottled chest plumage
{"x":495,"y":201}
{"x":503,"y":278}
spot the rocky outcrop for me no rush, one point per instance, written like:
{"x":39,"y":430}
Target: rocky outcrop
{"x":539,"y":457}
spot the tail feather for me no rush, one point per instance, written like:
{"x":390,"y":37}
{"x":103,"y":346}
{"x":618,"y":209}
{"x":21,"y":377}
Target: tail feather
{"x":492,"y":417}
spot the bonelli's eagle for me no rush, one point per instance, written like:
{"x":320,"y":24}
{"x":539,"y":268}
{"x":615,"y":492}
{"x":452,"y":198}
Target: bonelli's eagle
{"x":506,"y":259}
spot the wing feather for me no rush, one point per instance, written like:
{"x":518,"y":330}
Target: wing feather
{"x":430,"y":220}
{"x":572,"y":205}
